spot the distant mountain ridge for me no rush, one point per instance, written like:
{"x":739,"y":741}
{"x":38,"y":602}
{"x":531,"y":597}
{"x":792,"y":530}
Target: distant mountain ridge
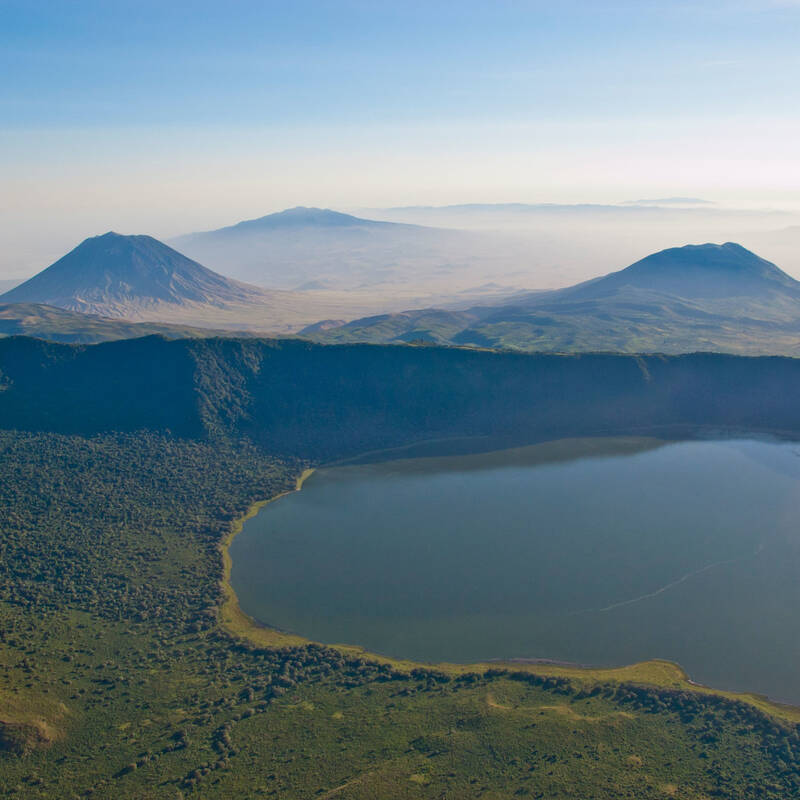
{"x":114,"y":275}
{"x":140,"y":279}
{"x":677,"y":205}
{"x":307,"y":249}
{"x":290,"y":218}
{"x":697,"y":297}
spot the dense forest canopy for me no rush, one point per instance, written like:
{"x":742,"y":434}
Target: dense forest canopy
{"x":323,"y":401}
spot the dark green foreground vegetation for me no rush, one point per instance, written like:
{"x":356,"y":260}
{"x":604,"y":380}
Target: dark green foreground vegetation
{"x":117,"y":680}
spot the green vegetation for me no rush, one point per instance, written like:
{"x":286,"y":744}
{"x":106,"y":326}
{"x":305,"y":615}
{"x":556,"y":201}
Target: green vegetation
{"x":633,"y":322}
{"x":58,"y":325}
{"x":123,"y":674}
{"x":326,"y":402}
{"x":119,"y":682}
{"x":720,"y":298}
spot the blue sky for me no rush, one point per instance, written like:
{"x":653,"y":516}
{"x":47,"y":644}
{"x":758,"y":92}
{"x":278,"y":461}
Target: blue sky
{"x":177,"y":115}
{"x":127,"y":64}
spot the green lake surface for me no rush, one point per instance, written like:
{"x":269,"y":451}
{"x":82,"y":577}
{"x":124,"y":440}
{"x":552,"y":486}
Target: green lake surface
{"x":595,"y":551}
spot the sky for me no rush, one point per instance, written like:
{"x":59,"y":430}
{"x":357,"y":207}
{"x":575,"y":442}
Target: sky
{"x":163,"y":118}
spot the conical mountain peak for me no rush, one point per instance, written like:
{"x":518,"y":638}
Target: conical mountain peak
{"x":694,"y":271}
{"x":114,"y":274}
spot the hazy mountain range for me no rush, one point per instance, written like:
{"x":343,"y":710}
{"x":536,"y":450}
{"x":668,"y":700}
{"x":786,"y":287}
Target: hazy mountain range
{"x":701,"y":297}
{"x":440,"y":252}
{"x":431,"y":255}
{"x":315,"y":249}
{"x":568,"y":243}
{"x":140,"y":279}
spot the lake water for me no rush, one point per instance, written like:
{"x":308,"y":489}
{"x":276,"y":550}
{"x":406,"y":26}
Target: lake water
{"x":598,"y":551}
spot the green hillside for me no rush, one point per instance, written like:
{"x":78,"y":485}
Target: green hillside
{"x":126,"y":465}
{"x":314,"y":401}
{"x":59,"y":325}
{"x":700,"y":297}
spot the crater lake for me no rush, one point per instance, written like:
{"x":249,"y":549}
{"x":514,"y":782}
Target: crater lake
{"x":603,"y":551}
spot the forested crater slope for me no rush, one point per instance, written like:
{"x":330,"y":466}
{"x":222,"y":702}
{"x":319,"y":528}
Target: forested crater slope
{"x":318,"y":401}
{"x":126,"y":673}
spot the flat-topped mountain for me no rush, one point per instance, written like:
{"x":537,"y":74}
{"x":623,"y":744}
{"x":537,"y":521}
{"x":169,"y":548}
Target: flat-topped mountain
{"x":311,"y":249}
{"x":698,"y":297}
{"x":116,"y":275}
{"x":298,"y":217}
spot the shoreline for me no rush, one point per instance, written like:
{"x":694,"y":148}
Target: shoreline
{"x":231,"y":616}
{"x":659,"y":673}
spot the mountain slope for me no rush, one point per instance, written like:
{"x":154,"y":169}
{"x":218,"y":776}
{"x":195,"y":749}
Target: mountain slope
{"x":60,"y":325}
{"x":698,"y":297}
{"x":116,"y":275}
{"x":693,"y":272}
{"x":140,"y":279}
{"x":9,"y":283}
{"x":330,"y":401}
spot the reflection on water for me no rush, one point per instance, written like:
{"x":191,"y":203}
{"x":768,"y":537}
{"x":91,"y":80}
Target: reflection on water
{"x":596,"y":551}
